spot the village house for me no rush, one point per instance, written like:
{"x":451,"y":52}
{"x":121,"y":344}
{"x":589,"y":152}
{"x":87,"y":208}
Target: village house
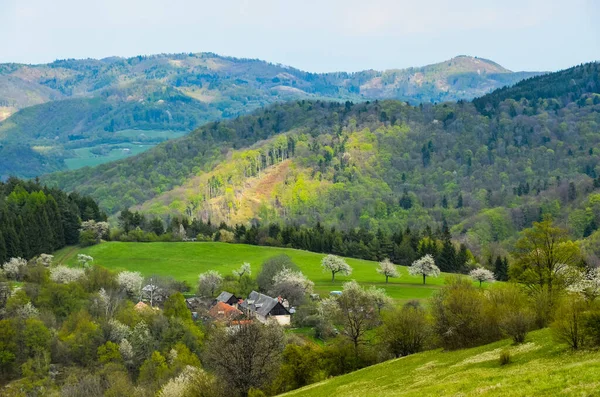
{"x":222,"y":312}
{"x":263,"y":307}
{"x":228,"y":298}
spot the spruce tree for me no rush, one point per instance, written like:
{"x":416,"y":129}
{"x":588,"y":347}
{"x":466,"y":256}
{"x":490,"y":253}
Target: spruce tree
{"x":501,"y":269}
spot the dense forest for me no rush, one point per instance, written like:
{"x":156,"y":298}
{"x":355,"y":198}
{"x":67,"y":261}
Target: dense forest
{"x":67,"y":105}
{"x":487,"y":168}
{"x":35,"y":219}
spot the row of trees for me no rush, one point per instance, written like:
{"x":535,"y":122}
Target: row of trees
{"x":401,"y":247}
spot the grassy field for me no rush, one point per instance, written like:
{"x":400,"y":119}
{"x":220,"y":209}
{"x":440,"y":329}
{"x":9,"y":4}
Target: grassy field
{"x":185,"y":261}
{"x":86,"y":158}
{"x":540,"y":367}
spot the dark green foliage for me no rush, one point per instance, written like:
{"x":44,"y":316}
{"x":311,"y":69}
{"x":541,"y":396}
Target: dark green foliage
{"x":36,"y":219}
{"x":505,"y":357}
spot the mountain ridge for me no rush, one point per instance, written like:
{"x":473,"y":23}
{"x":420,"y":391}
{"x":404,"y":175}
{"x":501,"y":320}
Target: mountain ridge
{"x":88,"y":102}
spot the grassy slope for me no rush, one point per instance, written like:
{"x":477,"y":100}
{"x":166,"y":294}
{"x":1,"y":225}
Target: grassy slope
{"x":184,"y":261}
{"x":540,"y":367}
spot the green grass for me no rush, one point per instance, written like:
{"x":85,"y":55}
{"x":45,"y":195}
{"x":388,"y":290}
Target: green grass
{"x":185,"y":261}
{"x":86,"y":158}
{"x":539,"y":367}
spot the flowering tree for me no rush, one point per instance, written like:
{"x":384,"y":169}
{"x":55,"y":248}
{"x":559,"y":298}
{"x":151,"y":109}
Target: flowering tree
{"x":131,"y":282}
{"x":95,"y":229}
{"x":14,"y":268}
{"x":380,"y":297}
{"x":335,"y":264}
{"x":424,"y":267}
{"x":354,"y":309}
{"x":209,"y":282}
{"x":244,"y":270}
{"x":45,"y":259}
{"x":292,"y":285}
{"x":388,"y":269}
{"x":587,"y":284}
{"x":64,"y":275}
{"x":482,"y":275}
{"x":84,"y":260}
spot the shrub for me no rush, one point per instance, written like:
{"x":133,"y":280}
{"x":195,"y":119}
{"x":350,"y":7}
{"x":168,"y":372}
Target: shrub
{"x":592,"y":327}
{"x":458,"y":314}
{"x":505,"y":357}
{"x":405,"y":331}
{"x":569,"y":324}
{"x":510,"y":309}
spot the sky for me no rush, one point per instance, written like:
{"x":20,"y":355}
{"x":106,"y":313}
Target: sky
{"x":313,"y":35}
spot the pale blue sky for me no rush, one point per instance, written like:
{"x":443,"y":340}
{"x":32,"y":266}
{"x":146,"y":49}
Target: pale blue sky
{"x":314,"y":35}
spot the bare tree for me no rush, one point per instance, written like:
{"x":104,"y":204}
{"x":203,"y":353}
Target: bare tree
{"x":246,"y":358}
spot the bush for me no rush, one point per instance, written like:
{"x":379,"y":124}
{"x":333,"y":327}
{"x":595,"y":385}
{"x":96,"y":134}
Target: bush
{"x":458,"y":315}
{"x":405,"y":331}
{"x":509,"y":306}
{"x":569,"y":326}
{"x":592,"y":327}
{"x":505,"y":357}
{"x":87,"y":238}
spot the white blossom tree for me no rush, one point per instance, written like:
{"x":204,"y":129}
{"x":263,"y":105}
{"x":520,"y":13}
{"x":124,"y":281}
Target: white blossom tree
{"x":27,"y":311}
{"x":425,"y":267}
{"x":14,"y":268}
{"x":388,"y":269}
{"x":380,"y":297}
{"x":99,"y":229}
{"x":44,"y":259}
{"x":209,"y":282}
{"x":587,"y":284}
{"x":335,"y":264}
{"x":292,"y":285}
{"x":84,"y":260}
{"x":117,"y":331}
{"x":244,"y":270}
{"x":131,"y":282}
{"x":482,"y":275}
{"x":64,"y":275}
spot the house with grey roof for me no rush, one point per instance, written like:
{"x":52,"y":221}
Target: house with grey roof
{"x":263,"y":307}
{"x":228,"y":298}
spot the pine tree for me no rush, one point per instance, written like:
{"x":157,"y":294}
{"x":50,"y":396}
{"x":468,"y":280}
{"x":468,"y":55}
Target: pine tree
{"x":501,"y":269}
{"x":3,"y":254}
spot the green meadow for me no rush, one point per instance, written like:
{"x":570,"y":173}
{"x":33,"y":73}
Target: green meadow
{"x":185,"y":261}
{"x":539,"y":367}
{"x":85,"y":158}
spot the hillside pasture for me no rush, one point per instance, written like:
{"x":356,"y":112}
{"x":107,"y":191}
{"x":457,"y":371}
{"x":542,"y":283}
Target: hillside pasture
{"x":539,"y":367}
{"x":185,"y":261}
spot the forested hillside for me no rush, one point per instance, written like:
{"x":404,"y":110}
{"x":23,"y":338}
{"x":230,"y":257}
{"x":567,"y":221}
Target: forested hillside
{"x":488,"y":168}
{"x":90,"y":111}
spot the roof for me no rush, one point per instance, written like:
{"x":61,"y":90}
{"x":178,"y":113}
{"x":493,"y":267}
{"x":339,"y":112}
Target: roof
{"x":141,"y":306}
{"x":224,"y":296}
{"x":223,"y":310}
{"x":259,"y":303}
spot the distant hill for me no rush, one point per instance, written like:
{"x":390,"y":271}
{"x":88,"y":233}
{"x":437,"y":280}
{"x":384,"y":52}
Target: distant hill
{"x":488,"y":168}
{"x":85,"y":110}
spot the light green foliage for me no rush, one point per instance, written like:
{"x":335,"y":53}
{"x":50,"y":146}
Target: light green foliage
{"x":109,"y":352}
{"x":175,"y":307}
